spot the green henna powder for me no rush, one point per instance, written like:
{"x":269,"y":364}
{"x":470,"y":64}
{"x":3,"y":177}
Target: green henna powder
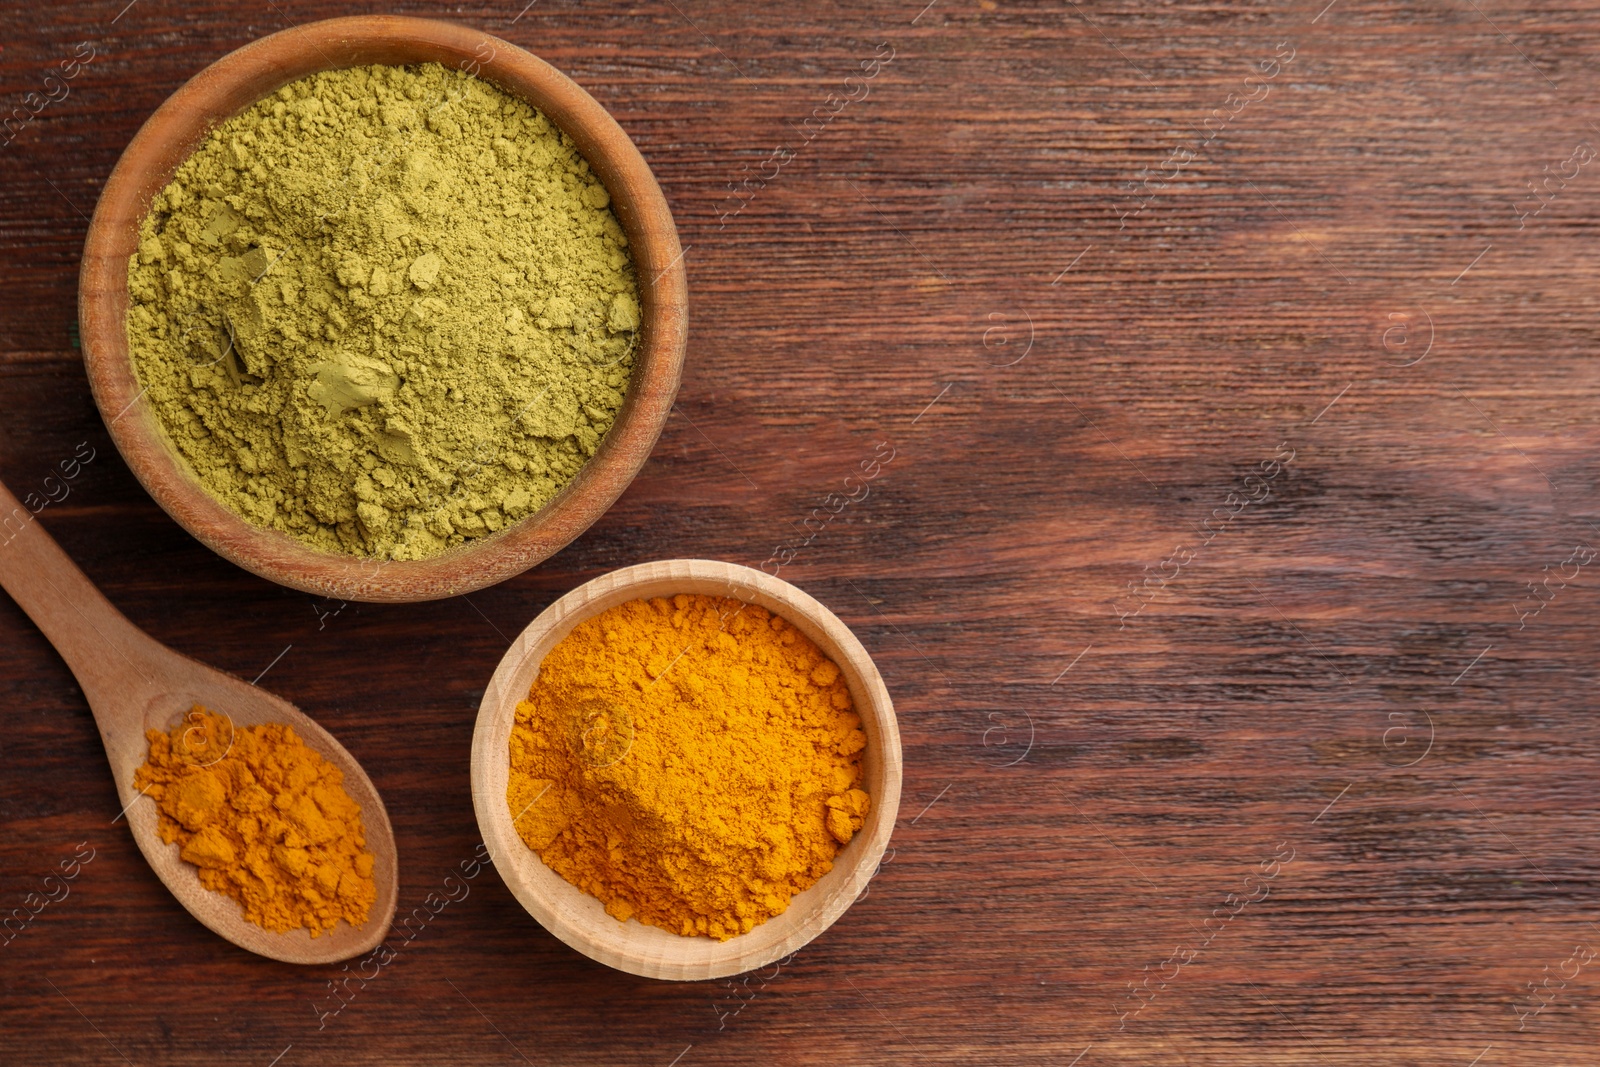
{"x":385,"y":310}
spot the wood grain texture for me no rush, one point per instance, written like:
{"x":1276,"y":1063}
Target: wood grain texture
{"x":1060,"y":832}
{"x":580,"y":919}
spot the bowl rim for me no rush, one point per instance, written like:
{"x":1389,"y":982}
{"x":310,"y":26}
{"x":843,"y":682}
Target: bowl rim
{"x":255,"y":70}
{"x":579,"y":919}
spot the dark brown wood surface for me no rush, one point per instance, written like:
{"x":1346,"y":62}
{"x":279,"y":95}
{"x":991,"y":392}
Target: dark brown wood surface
{"x":1327,"y":797}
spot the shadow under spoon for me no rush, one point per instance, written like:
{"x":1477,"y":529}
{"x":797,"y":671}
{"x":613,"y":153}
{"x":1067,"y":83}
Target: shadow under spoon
{"x":133,"y":683}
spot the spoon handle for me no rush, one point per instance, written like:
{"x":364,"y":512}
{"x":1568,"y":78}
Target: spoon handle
{"x":106,"y":652}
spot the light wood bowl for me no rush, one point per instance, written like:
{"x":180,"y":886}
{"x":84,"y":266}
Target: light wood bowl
{"x":232,"y":84}
{"x":580,"y":919}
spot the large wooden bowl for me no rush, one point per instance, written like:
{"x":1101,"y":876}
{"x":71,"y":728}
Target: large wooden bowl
{"x":580,"y":919}
{"x":231,"y":85}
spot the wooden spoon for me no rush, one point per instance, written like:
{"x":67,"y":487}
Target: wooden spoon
{"x":134,"y":683}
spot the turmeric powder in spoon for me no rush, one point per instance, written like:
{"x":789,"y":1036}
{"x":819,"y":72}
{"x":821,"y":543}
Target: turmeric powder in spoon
{"x":265,"y":818}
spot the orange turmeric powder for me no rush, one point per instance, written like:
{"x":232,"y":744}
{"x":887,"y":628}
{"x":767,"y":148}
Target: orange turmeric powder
{"x":265,"y":818}
{"x":693,"y":763}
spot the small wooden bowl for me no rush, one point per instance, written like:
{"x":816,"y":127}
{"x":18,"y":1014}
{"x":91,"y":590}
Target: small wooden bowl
{"x":580,"y":919}
{"x":231,"y":85}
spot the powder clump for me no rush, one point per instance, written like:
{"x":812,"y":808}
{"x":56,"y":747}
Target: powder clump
{"x":265,"y":818}
{"x":385,"y":310}
{"x":693,"y":763}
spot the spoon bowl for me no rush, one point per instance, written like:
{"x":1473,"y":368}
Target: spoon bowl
{"x":134,"y":683}
{"x":183,"y":683}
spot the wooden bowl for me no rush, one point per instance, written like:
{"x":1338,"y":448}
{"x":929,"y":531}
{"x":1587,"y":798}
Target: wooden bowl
{"x":231,"y":85}
{"x":580,"y":919}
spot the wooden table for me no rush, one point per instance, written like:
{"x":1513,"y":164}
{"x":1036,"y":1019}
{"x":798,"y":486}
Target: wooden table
{"x":1230,"y":574}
